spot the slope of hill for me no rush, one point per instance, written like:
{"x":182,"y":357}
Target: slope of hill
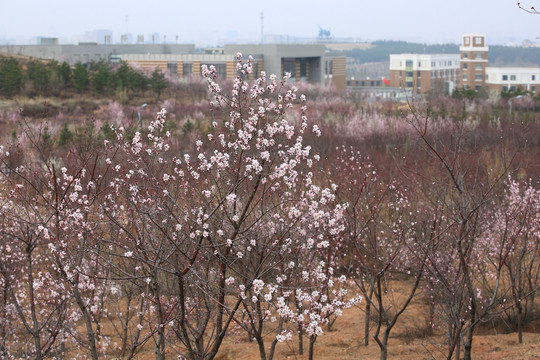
{"x":499,"y":55}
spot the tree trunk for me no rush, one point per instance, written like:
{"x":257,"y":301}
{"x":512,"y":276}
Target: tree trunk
{"x":260,"y":343}
{"x":160,"y":341}
{"x":125,"y":325}
{"x":87,"y":321}
{"x":32,"y":299}
{"x":519,"y":321}
{"x":3,"y":315}
{"x":467,"y":349}
{"x":275,"y":341}
{"x":367,"y":320}
{"x":312,"y":340}
{"x":300,"y":340}
{"x":384,"y":344}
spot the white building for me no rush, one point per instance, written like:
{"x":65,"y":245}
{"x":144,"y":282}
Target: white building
{"x":423,"y":73}
{"x":512,"y":78}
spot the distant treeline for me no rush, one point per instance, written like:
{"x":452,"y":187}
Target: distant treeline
{"x":36,"y":77}
{"x":498,"y":54}
{"x":508,"y":55}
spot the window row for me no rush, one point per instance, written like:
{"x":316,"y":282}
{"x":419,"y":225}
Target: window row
{"x":513,"y":77}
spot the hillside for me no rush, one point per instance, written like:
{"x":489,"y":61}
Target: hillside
{"x":499,"y":55}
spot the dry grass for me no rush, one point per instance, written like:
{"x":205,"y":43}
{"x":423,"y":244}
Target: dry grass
{"x":409,"y":340}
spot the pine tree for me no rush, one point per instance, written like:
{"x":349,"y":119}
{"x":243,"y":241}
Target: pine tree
{"x":11,"y":76}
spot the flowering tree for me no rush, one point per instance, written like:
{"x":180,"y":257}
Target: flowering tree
{"x":205,"y":232}
{"x":48,"y":215}
{"x":511,"y":244}
{"x":381,"y":231}
{"x":460,"y":190}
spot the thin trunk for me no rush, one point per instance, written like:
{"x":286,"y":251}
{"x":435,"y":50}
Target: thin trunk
{"x":32,"y":299}
{"x":384,"y":353}
{"x":300,"y":329}
{"x":368,"y":318}
{"x":260,"y":343}
{"x":182,"y":317}
{"x":454,"y":337}
{"x":3,"y":315}
{"x":221,"y":334}
{"x":467,"y":348}
{"x":160,"y":341}
{"x":300,"y":339}
{"x":519,"y":321}
{"x":135,"y":339}
{"x":125,"y":325}
{"x":87,"y":320}
{"x":258,"y":330}
{"x":63,"y":346}
{"x":275,"y":341}
{"x":384,"y":347}
{"x":312,"y":340}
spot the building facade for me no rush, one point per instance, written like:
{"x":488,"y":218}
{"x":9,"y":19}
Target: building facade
{"x":500,"y":79}
{"x":473,"y":61}
{"x":190,"y":64}
{"x":335,"y":72}
{"x":425,"y":73}
{"x":305,"y":62}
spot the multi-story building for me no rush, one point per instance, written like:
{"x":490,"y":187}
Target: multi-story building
{"x":473,"y":61}
{"x":424,"y":73}
{"x":306,"y":63}
{"x":500,"y":79}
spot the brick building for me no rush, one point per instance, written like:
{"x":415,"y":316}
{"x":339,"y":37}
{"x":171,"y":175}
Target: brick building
{"x":424,"y":73}
{"x":473,"y":61}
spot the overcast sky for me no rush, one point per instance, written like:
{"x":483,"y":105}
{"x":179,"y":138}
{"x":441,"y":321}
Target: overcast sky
{"x":214,"y":22}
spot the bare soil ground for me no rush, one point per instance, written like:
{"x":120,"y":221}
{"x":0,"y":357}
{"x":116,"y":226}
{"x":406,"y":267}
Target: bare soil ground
{"x":346,"y":341}
{"x":408,"y":340}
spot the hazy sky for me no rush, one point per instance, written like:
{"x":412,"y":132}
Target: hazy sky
{"x":214,"y":22}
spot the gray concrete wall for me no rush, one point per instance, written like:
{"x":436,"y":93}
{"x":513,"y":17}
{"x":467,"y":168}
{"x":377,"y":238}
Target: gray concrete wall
{"x":93,"y":52}
{"x":274,"y":53}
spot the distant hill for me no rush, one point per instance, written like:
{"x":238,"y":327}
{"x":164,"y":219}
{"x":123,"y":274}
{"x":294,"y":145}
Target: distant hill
{"x":381,"y":50}
{"x":513,"y":56}
{"x":498,"y":55}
